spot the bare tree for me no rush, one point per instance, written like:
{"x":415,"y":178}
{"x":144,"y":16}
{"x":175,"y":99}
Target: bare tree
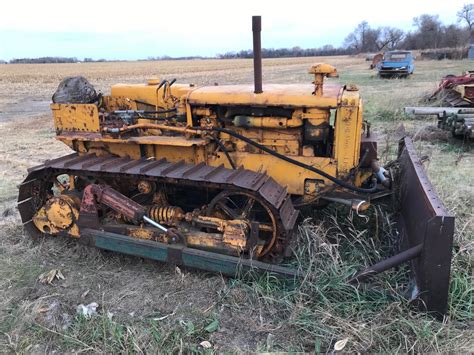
{"x":356,"y":39}
{"x":363,"y":38}
{"x":466,"y":14}
{"x":429,"y":31}
{"x":352,"y":42}
{"x":454,"y":36}
{"x":370,"y":40}
{"x":389,"y":38}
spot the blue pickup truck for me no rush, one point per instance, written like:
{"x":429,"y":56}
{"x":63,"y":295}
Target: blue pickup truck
{"x":396,"y":64}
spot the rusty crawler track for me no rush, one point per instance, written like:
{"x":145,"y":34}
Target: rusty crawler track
{"x":32,"y":191}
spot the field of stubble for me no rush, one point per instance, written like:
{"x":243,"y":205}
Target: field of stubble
{"x":146,"y":306}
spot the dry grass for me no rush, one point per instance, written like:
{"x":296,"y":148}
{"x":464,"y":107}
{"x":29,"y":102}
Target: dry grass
{"x":156,"y":307}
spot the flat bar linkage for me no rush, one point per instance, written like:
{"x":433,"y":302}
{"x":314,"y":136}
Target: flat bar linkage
{"x":181,"y":255}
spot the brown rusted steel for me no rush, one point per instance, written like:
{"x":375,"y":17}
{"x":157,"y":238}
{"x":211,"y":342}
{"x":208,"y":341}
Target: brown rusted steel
{"x":376,"y":60}
{"x":386,"y":264}
{"x":447,"y":90}
{"x":454,"y":99}
{"x":88,"y":216}
{"x":257,"y":53}
{"x":128,"y":208}
{"x":451,"y":81}
{"x":424,"y":220}
{"x":368,"y":150}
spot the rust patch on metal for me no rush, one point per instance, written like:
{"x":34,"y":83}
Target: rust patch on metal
{"x":368,"y":150}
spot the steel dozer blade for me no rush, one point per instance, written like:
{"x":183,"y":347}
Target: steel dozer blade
{"x":424,"y":221}
{"x":425,"y":230}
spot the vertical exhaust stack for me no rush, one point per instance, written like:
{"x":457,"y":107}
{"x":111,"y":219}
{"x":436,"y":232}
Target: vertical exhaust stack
{"x":257,"y":53}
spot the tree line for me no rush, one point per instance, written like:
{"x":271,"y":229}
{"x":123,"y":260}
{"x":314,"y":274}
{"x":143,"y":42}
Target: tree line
{"x":326,"y":50}
{"x":43,"y":60}
{"x":429,"y":33}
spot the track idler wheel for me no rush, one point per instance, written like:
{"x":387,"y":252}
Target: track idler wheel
{"x":260,"y":217}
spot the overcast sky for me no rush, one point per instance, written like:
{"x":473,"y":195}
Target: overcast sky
{"x":137,"y":29}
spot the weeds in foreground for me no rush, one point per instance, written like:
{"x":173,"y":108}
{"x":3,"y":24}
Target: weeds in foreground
{"x":390,"y":115}
{"x":311,"y":315}
{"x":375,"y":317}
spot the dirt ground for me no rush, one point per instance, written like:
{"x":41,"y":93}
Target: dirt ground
{"x":146,"y":306}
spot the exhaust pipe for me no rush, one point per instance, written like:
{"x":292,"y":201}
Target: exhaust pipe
{"x":257,"y":53}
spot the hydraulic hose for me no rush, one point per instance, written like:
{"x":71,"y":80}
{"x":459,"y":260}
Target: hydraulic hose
{"x":226,"y":152}
{"x":322,"y":173}
{"x":161,"y":111}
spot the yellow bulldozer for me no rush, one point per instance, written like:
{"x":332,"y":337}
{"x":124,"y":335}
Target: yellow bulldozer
{"x":213,"y":177}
